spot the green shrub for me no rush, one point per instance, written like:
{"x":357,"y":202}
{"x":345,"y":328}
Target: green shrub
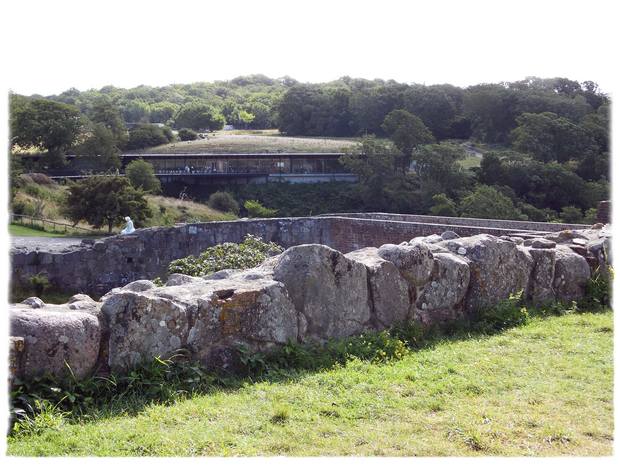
{"x":39,"y":283}
{"x":141,"y":174}
{"x":224,"y":202}
{"x":249,"y":253}
{"x":187,"y":134}
{"x":256,"y":210}
{"x":598,"y":290}
{"x":39,"y":403}
{"x":146,"y":135}
{"x":41,"y":178}
{"x":504,"y":315}
{"x":571,"y":215}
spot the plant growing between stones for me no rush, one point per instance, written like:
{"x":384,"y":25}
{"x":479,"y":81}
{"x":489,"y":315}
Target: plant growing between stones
{"x":247,"y":254}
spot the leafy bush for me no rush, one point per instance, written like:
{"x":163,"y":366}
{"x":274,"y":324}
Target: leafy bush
{"x":223,"y":201}
{"x":146,"y":135}
{"x":41,"y":178}
{"x":598,"y":289}
{"x":141,"y":174}
{"x":504,"y":315}
{"x":187,"y":134}
{"x":249,"y":253}
{"x":571,"y":215}
{"x":39,"y":283}
{"x":256,"y":210}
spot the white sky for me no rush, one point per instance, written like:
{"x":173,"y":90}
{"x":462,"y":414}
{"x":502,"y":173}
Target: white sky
{"x":55,"y":45}
{"x":50,"y":46}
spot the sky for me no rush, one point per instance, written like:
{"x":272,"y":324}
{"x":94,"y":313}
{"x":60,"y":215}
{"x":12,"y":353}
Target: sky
{"x":52,"y":46}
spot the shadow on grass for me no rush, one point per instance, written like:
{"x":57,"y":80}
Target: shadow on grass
{"x":174,"y":379}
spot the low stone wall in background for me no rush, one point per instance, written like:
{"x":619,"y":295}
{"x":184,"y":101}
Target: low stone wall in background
{"x":95,"y":267}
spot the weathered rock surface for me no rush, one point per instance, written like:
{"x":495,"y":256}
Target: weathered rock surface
{"x":53,"y":337}
{"x":249,"y":309}
{"x":498,"y":268}
{"x":391,"y":299}
{"x":144,"y":325}
{"x":414,"y":261}
{"x":442,"y":299}
{"x":571,"y":274}
{"x":327,"y":288}
{"x":541,"y":288}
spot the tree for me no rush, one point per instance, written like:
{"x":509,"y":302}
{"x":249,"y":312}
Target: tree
{"x":107,"y":114}
{"x":187,"y":134}
{"x":45,"y":125}
{"x":550,"y":137}
{"x":407,"y":131}
{"x":105,"y":200}
{"x":100,"y":146}
{"x":436,"y":106}
{"x":245,"y":117}
{"x":443,"y":206}
{"x":162,"y":112}
{"x":382,"y":185}
{"x":571,"y":215}
{"x":437,"y":165}
{"x":491,"y":108}
{"x":146,"y":135}
{"x":142,"y":176}
{"x":487,"y":202}
{"x":199,"y":116}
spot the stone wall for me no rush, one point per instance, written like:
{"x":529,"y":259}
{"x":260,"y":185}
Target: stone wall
{"x":310,"y":292}
{"x":94,"y":267}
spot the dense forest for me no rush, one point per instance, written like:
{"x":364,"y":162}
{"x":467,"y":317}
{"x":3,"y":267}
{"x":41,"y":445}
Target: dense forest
{"x":546,"y":141}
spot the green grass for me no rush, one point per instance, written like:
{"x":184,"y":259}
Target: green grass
{"x":544,"y":388}
{"x":19,"y":230}
{"x":470,"y":162}
{"x":224,"y":142}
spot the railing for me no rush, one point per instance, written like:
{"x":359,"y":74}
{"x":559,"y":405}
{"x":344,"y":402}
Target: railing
{"x":34,"y":221}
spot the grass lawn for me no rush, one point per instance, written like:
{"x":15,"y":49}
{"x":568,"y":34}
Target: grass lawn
{"x":470,"y":162}
{"x":19,"y":230}
{"x":223,"y":142}
{"x":541,"y":389}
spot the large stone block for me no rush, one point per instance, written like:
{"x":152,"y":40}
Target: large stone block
{"x":55,"y":336}
{"x":328,"y":289}
{"x":571,"y":274}
{"x":540,"y":287}
{"x":390,"y":294}
{"x":498,"y":268}
{"x":143,"y":326}
{"x":442,"y":299}
{"x":414,"y":260}
{"x":248,"y":309}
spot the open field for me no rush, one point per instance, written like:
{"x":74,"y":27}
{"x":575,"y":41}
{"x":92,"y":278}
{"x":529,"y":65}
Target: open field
{"x":541,"y":389}
{"x":167,"y":210}
{"x":18,"y":230}
{"x":224,"y":142}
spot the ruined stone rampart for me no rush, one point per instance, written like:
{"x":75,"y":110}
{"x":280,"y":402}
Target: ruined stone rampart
{"x":95,"y":267}
{"x":310,"y":292}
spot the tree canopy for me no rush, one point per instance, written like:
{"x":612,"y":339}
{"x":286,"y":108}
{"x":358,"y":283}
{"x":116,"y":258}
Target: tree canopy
{"x":105,"y":201}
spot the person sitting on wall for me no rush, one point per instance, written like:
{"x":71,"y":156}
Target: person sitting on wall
{"x":128,"y":227}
